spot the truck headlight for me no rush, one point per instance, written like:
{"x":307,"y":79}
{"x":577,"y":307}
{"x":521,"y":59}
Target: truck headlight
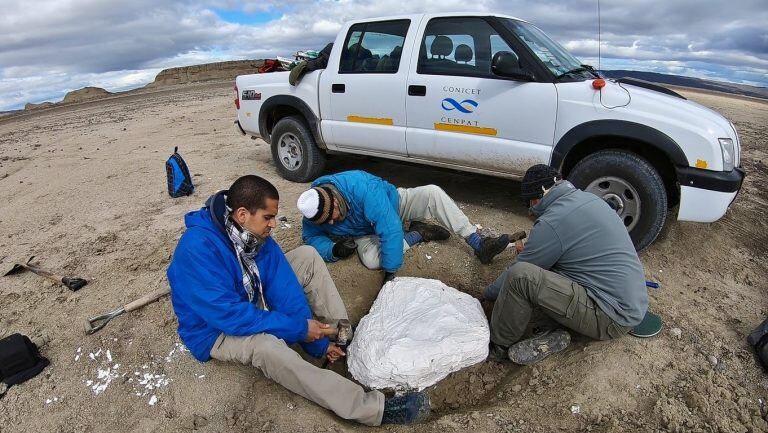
{"x":729,"y":153}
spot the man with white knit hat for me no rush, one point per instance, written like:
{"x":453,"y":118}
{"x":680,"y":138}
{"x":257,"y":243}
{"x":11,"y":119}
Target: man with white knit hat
{"x":357,"y":211}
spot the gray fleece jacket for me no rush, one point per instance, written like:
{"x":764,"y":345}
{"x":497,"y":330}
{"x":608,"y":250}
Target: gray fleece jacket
{"x":579,"y":236}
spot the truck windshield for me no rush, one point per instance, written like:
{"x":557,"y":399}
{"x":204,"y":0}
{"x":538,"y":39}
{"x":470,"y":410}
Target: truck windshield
{"x":553,"y":55}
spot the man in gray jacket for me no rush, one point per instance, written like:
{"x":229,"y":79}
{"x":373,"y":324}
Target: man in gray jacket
{"x":579,"y":267}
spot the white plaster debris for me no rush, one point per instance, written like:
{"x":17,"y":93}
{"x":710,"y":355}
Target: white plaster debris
{"x":428,"y":256}
{"x":153,"y":381}
{"x":177,"y":349}
{"x":575,"y":409}
{"x":145,"y":380}
{"x":201,"y":376}
{"x":104,"y":378}
{"x":51,"y":400}
{"x":78,"y":353}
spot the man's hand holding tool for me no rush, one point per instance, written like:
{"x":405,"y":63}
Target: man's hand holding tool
{"x":317,"y":330}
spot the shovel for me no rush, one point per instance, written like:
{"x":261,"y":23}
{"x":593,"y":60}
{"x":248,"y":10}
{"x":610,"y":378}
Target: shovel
{"x":95,"y":323}
{"x":72,"y":283}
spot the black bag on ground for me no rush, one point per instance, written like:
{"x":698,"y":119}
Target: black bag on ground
{"x":179,"y":180}
{"x":759,"y":340}
{"x":19,"y":359}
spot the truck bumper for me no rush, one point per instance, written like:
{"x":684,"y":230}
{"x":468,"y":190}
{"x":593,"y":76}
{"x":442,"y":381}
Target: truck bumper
{"x":706,"y":195}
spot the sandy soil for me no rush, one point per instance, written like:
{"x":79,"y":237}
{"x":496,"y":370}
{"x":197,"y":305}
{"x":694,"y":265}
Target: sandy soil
{"x":83,"y":188}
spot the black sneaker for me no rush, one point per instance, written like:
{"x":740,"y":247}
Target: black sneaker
{"x":497,"y":353}
{"x":491,"y":247}
{"x":538,"y":347}
{"x":430,"y":232}
{"x":410,"y":408}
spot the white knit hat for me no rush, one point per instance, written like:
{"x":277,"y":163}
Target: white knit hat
{"x":309,"y":203}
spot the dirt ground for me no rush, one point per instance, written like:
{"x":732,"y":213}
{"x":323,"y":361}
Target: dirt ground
{"x":83,"y":189}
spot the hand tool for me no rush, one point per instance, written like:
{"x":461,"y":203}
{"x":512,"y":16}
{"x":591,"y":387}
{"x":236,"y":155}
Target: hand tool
{"x":95,"y":323}
{"x":72,"y":283}
{"x":343,"y":336}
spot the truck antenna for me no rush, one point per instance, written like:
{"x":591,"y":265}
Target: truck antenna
{"x":599,"y":40}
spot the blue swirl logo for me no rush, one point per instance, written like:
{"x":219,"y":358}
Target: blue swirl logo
{"x":465,"y":106}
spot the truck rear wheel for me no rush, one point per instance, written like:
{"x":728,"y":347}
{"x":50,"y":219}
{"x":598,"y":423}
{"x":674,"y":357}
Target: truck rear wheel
{"x":631,"y":186}
{"x":297,"y":157}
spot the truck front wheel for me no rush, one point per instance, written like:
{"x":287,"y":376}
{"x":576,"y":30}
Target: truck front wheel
{"x":297,"y":157}
{"x":631,"y":186}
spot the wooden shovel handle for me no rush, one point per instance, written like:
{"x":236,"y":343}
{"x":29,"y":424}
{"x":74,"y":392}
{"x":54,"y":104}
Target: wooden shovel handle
{"x":43,"y":273}
{"x":148,"y":298}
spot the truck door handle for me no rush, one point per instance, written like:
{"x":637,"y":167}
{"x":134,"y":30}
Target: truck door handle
{"x":417,"y":90}
{"x":338,"y":88}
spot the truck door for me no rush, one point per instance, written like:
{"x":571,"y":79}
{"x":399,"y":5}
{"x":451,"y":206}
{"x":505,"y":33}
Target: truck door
{"x":365,"y":88}
{"x":460,"y":113}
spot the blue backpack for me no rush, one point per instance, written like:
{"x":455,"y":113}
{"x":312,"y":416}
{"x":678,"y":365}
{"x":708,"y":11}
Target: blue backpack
{"x":179,"y":180}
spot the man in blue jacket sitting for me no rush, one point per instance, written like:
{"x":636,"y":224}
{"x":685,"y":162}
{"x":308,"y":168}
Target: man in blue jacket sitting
{"x":357,"y":211}
{"x":239,"y":298}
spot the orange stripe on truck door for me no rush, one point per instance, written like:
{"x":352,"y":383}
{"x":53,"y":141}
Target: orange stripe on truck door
{"x":465,"y":129}
{"x":374,"y":120}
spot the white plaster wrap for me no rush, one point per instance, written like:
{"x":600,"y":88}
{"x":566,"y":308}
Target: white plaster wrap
{"x":417,"y":332}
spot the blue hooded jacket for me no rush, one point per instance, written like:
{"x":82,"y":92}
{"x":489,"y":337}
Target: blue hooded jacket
{"x":374,"y":208}
{"x":207,"y":290}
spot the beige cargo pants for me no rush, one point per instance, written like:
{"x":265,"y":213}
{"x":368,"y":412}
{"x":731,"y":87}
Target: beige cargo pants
{"x":283,"y":365}
{"x":523,"y":287}
{"x":420,"y":203}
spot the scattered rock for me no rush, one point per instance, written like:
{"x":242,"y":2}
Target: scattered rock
{"x":200,"y":421}
{"x":676,"y":332}
{"x":712,"y":360}
{"x":517,"y":388}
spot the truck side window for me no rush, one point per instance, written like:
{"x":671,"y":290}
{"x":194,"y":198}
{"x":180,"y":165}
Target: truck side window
{"x":459,"y":46}
{"x":374,"y":48}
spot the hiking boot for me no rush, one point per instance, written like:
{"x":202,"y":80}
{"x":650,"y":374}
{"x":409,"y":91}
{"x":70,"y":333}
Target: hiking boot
{"x":491,"y":247}
{"x":410,"y":408}
{"x":430,"y":232}
{"x":296,"y":72}
{"x":538,"y":347}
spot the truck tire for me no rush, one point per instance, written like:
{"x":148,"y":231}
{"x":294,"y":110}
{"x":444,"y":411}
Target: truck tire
{"x":632,"y":187}
{"x":296,"y":156}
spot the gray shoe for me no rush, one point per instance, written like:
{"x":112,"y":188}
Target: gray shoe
{"x":536,"y":348}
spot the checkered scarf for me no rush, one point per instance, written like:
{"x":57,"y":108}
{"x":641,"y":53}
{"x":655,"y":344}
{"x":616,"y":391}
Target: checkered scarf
{"x":247,"y":245}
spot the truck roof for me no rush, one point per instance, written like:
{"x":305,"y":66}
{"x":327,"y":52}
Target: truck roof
{"x":417,"y":17}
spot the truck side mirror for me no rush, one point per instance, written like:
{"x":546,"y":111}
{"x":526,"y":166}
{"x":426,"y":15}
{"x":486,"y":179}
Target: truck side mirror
{"x":507,"y":64}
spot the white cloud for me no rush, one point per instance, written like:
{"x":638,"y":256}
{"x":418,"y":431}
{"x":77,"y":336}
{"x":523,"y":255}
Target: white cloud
{"x":50,"y":46}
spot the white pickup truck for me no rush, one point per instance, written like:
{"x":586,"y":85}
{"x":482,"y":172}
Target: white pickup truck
{"x":493,"y":94}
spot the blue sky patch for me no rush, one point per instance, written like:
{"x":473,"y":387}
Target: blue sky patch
{"x":242,"y":17}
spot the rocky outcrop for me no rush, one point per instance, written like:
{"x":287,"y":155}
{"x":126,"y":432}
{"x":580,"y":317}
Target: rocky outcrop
{"x":85,"y":94}
{"x":30,"y":106}
{"x":206,"y":72}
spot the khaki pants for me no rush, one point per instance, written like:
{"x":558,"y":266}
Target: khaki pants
{"x":420,"y":203}
{"x":283,"y":365}
{"x":524,"y":286}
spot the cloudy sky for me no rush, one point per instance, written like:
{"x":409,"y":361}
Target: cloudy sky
{"x":49,"y":47}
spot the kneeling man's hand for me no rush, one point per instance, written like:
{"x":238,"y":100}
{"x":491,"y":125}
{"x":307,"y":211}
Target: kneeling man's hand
{"x":334,"y":353}
{"x":344,"y":248}
{"x":317,"y":330}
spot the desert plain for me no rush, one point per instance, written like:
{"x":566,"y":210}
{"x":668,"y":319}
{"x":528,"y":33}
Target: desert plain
{"x":83,"y":188}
